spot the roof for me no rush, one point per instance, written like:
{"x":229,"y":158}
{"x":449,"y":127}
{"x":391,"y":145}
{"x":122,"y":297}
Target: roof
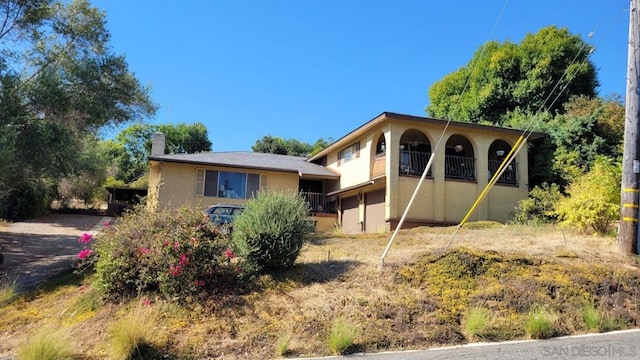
{"x":252,"y":160}
{"x":425,"y":120}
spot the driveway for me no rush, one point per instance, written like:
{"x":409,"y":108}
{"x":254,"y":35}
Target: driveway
{"x":38,"y":249}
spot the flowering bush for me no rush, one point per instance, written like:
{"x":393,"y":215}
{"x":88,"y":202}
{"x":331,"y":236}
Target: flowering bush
{"x":175,"y":252}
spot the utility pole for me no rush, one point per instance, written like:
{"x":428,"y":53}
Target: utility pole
{"x":628,"y":236}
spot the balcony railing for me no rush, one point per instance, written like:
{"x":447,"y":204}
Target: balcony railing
{"x":414,"y":162}
{"x":459,"y":167}
{"x":508,"y":176}
{"x":319,"y":202}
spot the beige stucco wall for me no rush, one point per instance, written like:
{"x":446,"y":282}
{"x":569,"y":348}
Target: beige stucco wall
{"x":177,"y":184}
{"x":438,"y":200}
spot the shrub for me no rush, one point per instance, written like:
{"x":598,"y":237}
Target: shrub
{"x":341,"y":336}
{"x":539,"y":207}
{"x":130,"y":333}
{"x":47,"y":344}
{"x":176,"y":252}
{"x":539,"y":323}
{"x":476,"y":321}
{"x":591,"y":316}
{"x":270,"y":232}
{"x":593,"y":199}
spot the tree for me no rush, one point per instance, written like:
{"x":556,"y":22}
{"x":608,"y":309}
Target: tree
{"x":507,"y":77}
{"x":277,"y":145}
{"x":74,"y":85}
{"x":587,"y":128}
{"x":132,"y":146}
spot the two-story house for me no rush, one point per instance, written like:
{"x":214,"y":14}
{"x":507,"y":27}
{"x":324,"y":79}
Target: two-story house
{"x":364,"y":180}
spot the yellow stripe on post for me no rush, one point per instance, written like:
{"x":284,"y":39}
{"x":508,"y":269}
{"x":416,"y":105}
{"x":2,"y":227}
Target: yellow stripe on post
{"x":633,"y":206}
{"x":631,"y":190}
{"x":630,"y":219}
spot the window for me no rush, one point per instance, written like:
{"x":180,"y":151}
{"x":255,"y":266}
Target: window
{"x":226,"y":184}
{"x":349,"y":153}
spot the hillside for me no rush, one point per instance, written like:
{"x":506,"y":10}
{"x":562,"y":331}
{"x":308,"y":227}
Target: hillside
{"x":484,"y":288}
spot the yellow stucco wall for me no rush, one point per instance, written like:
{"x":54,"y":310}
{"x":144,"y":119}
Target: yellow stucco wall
{"x":177,"y":184}
{"x":440,"y":199}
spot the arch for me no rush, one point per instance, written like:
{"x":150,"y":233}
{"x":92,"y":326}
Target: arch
{"x":381,"y":145}
{"x":415,"y":150}
{"x":498,"y":150}
{"x":459,"y":158}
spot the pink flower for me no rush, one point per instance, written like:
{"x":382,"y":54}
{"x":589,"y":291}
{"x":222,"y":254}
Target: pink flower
{"x":106,"y":224}
{"x":165,"y":243}
{"x":84,"y":254}
{"x":199,"y":283}
{"x":175,"y":270}
{"x":176,"y":245}
{"x":184,"y":259}
{"x":146,"y":301}
{"x":85,"y":238}
{"x":229,"y":254}
{"x":145,"y":251}
{"x":194,"y":240}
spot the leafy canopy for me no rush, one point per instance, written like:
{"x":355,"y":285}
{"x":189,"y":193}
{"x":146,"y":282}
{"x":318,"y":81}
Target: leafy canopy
{"x":506,"y":77}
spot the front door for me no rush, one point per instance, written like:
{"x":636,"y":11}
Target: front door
{"x":350,"y":220}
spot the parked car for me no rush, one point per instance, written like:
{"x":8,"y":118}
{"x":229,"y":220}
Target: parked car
{"x":223,"y":214}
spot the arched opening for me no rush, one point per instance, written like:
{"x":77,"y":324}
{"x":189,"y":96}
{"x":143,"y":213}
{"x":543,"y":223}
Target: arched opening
{"x":459,"y":159}
{"x":379,"y":159}
{"x":415,"y":150}
{"x":498,"y":151}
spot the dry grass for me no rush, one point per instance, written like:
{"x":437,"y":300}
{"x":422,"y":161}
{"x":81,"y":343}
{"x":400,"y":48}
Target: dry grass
{"x":417,"y":300}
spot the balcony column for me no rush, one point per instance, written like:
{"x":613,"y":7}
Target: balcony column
{"x":481,"y":154}
{"x":392,"y":139}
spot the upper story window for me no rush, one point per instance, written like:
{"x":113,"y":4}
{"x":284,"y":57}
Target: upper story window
{"x":225,"y":184}
{"x":349,"y":153}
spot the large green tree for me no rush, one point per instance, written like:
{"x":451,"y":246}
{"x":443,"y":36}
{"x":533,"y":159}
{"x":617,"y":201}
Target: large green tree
{"x":60,"y":82}
{"x":542,"y":72}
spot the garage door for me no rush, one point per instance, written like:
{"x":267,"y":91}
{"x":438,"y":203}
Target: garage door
{"x":374,"y":211}
{"x":350,"y":219}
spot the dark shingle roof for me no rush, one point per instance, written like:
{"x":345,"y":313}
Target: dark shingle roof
{"x":252,"y":160}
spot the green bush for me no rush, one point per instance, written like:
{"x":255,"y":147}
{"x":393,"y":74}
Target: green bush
{"x":178,"y":253}
{"x":540,"y":323}
{"x":593,"y":199}
{"x":539,"y":207}
{"x":269,"y":234}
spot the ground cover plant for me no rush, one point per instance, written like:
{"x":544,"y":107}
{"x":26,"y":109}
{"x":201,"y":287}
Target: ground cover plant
{"x":423,"y":297}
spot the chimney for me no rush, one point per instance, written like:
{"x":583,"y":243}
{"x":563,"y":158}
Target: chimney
{"x":158,"y":144}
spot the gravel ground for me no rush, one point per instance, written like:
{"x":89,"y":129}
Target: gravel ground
{"x":38,"y":249}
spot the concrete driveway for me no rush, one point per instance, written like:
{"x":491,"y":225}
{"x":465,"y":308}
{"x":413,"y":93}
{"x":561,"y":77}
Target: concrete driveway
{"x":38,"y":249}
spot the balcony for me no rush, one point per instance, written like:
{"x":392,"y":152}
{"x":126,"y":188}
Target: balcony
{"x":459,"y":167}
{"x":414,"y":162}
{"x":378,"y":168}
{"x":508,"y":177}
{"x":319,"y":202}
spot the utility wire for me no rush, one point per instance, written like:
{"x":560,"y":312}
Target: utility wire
{"x":529,"y":129}
{"x":437,"y":146}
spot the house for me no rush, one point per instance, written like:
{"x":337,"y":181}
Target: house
{"x":364,"y":180}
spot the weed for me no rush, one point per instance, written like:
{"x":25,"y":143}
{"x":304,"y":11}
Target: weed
{"x":282,"y":345}
{"x":591,"y":316}
{"x":130,"y":333}
{"x":341,"y":336}
{"x":540,"y":323}
{"x":8,"y":292}
{"x":476,"y":321}
{"x":47,"y":344}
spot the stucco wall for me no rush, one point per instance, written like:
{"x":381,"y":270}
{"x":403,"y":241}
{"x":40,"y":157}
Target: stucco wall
{"x":177,"y":184}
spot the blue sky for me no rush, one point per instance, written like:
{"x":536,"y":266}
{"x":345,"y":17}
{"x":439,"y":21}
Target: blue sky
{"x":310,"y":69}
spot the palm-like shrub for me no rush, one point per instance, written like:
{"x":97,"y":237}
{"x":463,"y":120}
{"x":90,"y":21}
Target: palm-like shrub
{"x":271,"y":231}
